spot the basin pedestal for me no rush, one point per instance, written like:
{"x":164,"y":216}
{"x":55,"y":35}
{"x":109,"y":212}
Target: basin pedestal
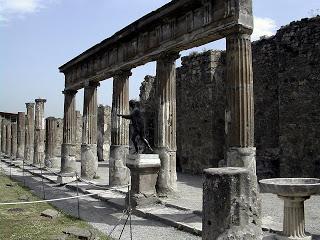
{"x":293,"y":219}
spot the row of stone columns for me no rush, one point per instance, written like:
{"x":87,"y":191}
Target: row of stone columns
{"x":22,"y":136}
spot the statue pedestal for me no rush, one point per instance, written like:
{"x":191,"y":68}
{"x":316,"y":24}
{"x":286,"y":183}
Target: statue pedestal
{"x":144,"y":173}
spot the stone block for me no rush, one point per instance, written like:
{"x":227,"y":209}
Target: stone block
{"x":144,"y":170}
{"x":231,"y":205}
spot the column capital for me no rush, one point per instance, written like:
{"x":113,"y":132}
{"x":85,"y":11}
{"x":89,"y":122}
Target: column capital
{"x":122,"y":74}
{"x":169,"y":56}
{"x":40,"y":100}
{"x":69,"y":92}
{"x":91,"y":84}
{"x":239,"y":35}
{"x":30,"y":105}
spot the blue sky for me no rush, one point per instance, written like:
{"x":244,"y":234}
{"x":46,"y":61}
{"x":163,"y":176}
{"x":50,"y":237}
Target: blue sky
{"x":38,"y":36}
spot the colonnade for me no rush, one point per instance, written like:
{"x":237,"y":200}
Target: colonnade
{"x":23,"y":135}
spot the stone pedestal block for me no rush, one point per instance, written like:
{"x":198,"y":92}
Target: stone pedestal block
{"x":144,"y":169}
{"x":119,"y":174}
{"x":89,"y":161}
{"x":242,"y":157}
{"x":231,"y":205}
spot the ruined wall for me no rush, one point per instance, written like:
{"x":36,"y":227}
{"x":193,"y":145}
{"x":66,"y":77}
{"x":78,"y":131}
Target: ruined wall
{"x":78,"y":135}
{"x":299,"y":98}
{"x":104,"y":132}
{"x":200,"y":111}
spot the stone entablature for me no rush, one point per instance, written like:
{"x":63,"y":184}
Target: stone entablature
{"x":176,"y":26}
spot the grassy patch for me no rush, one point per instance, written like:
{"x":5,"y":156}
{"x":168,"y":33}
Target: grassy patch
{"x":24,"y":221}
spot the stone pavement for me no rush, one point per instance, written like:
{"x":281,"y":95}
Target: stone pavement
{"x":182,"y":211}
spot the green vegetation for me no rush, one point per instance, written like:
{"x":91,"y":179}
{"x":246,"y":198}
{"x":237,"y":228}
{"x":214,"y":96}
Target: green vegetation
{"x":23,"y":222}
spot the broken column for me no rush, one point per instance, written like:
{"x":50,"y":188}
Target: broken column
{"x":29,"y":135}
{"x":119,"y":149}
{"x":20,"y":135}
{"x":14,"y":139}
{"x":239,"y":113}
{"x":231,"y":205}
{"x":4,"y":135}
{"x":51,"y":160}
{"x":89,"y":158}
{"x":165,"y":132}
{"x":39,"y":133}
{"x":68,"y":156}
{"x":8,"y":138}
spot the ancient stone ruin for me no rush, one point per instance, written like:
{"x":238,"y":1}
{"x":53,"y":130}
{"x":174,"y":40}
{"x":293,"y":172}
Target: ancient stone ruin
{"x":235,"y":115}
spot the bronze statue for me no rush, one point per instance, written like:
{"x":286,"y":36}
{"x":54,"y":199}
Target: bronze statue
{"x":137,"y":125}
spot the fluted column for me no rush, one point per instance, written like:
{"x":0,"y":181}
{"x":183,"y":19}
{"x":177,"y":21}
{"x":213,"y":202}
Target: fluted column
{"x":51,"y":160}
{"x":68,"y":155}
{"x":89,"y":158}
{"x":29,"y":135}
{"x":118,"y":172}
{"x":39,"y":133}
{"x":165,"y":132}
{"x":13,"y":139}
{"x":4,"y":135}
{"x":294,"y":219}
{"x":8,"y":138}
{"x":240,"y":112}
{"x":20,"y":135}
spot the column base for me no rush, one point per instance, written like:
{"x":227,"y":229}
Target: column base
{"x":242,"y":157}
{"x":89,"y":161}
{"x":29,"y":152}
{"x":119,"y":174}
{"x":65,"y":178}
{"x":68,"y":158}
{"x":144,"y":169}
{"x":167,"y":178}
{"x":53,"y":162}
{"x":279,"y":237}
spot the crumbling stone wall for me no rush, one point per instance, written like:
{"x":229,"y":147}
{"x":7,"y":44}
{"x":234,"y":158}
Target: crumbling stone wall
{"x":299,"y":98}
{"x":104,"y":132}
{"x":200,"y":111}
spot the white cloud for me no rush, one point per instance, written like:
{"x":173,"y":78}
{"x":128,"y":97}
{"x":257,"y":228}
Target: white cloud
{"x":19,"y":8}
{"x":263,"y":27}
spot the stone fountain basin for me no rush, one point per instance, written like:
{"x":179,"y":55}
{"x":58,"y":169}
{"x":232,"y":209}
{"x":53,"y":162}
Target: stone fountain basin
{"x":295,"y":187}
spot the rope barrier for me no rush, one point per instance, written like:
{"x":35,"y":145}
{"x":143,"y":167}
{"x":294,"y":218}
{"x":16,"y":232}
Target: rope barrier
{"x":49,"y":200}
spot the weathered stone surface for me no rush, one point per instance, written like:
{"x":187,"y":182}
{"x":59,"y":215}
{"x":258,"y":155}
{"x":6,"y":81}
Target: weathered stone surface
{"x":8,"y":138}
{"x":144,"y":169}
{"x":13,"y":139}
{"x":21,"y":135}
{"x":104,"y":132}
{"x":188,"y":24}
{"x":68,"y":156}
{"x":118,"y":172}
{"x":3,"y":135}
{"x":89,"y":159}
{"x":50,"y":213}
{"x":39,"y":133}
{"x":80,"y":233}
{"x":53,"y":141}
{"x":200,"y":118}
{"x":166,"y":125}
{"x":29,"y":137}
{"x":231,"y":205}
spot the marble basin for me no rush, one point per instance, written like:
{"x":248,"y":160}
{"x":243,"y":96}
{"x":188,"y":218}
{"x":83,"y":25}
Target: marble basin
{"x":295,"y":187}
